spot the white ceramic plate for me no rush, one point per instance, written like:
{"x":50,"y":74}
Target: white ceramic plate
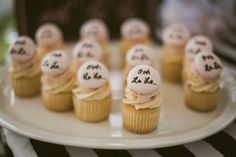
{"x":177,"y":125}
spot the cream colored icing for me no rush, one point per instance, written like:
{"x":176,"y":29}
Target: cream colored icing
{"x":142,"y":103}
{"x":62,"y":84}
{"x":27,"y":70}
{"x":187,"y":66}
{"x":82,"y":93}
{"x":197,"y":84}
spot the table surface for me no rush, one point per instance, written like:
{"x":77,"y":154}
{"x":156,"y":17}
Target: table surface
{"x":218,"y":145}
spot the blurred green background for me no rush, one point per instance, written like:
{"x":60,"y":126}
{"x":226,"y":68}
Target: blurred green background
{"x":7,"y":27}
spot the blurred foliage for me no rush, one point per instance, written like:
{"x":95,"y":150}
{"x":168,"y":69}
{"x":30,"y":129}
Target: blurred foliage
{"x":6,"y":26}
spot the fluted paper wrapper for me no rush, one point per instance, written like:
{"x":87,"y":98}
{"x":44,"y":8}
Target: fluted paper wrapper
{"x":200,"y":101}
{"x":26,"y":87}
{"x":140,"y":121}
{"x":60,"y":102}
{"x":92,"y":110}
{"x":171,"y":72}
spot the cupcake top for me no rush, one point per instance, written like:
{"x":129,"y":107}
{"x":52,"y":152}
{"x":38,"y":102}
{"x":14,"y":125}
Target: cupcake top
{"x":135,"y":28}
{"x":140,"y":54}
{"x":196,"y":44}
{"x":55,"y":63}
{"x":94,"y":29}
{"x":92,"y":74}
{"x":207,"y":65}
{"x":144,"y":81}
{"x":23,"y":50}
{"x":176,"y":34}
{"x":48,"y":34}
{"x":87,"y":50}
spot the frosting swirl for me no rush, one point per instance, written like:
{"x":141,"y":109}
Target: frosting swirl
{"x":83,"y":93}
{"x":187,"y":66}
{"x":27,"y":70}
{"x":142,"y":103}
{"x":197,"y":84}
{"x":62,"y":84}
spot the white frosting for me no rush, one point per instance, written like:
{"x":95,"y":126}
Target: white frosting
{"x":135,"y":28}
{"x":207,"y":65}
{"x":176,"y":34}
{"x":22,"y":50}
{"x":140,"y":54}
{"x":92,"y":74}
{"x":87,"y":50}
{"x":48,"y":34}
{"x":55,"y":63}
{"x":95,"y":29}
{"x":144,"y":81}
{"x":196,"y":44}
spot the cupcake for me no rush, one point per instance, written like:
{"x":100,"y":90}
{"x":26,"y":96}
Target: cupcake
{"x":25,"y":67}
{"x":92,"y":98}
{"x":86,"y":50}
{"x":57,"y":81}
{"x":141,"y":104}
{"x":133,"y":31}
{"x":96,"y":29}
{"x":195,"y":45}
{"x":49,"y":37}
{"x":138,"y":54}
{"x":202,"y":86}
{"x":174,"y":38}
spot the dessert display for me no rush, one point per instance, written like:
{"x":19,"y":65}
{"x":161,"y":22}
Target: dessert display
{"x":194,"y":46}
{"x":141,"y":104}
{"x":96,"y":29}
{"x":49,"y":37}
{"x":79,"y":81}
{"x":57,"y":81}
{"x":86,"y":50}
{"x":92,"y":97}
{"x":201,"y":88}
{"x":133,"y":31}
{"x":175,"y":38}
{"x":25,"y":67}
{"x":138,"y":54}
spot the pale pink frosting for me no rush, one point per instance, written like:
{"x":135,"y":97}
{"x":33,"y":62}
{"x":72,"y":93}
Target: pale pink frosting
{"x":207,"y":65}
{"x":49,"y":35}
{"x":22,"y":51}
{"x":144,"y":81}
{"x":92,"y":74}
{"x":197,"y":44}
{"x":94,"y":29}
{"x":135,"y":29}
{"x":86,"y":50}
{"x":55,"y":63}
{"x":176,"y":34}
{"x":140,"y":54}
